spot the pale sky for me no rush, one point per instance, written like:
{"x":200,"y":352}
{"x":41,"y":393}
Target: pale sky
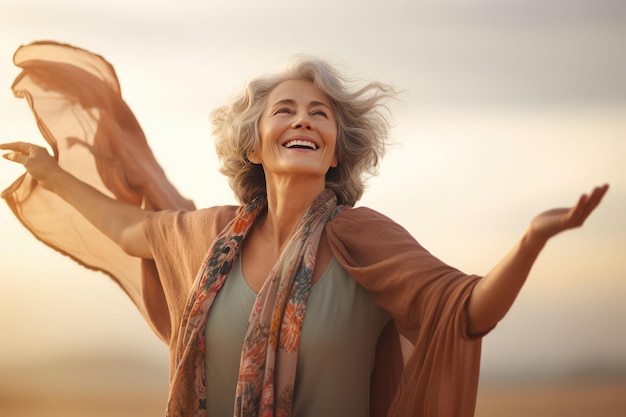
{"x":509,"y":109}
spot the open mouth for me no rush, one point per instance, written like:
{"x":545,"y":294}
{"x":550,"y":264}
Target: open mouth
{"x":300,"y":144}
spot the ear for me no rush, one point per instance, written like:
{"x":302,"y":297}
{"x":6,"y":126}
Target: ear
{"x":254,"y":156}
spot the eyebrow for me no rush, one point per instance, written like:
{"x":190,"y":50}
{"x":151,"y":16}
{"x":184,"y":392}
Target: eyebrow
{"x":292,"y":101}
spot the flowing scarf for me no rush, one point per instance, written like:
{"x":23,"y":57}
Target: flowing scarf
{"x":75,"y":97}
{"x":269,"y":354}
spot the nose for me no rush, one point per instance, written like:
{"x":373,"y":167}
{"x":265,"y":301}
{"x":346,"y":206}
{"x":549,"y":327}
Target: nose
{"x":302,"y":122}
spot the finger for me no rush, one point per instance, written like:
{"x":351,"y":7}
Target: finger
{"x":15,"y":146}
{"x":580,"y":211}
{"x":23,"y":147}
{"x":585,"y":206}
{"x":575,"y":214}
{"x":594,"y":199}
{"x":15,"y":157}
{"x":12,"y":146}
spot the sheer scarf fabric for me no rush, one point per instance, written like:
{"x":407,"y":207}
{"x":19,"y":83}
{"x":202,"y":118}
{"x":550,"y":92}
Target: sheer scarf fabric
{"x":76,"y":100}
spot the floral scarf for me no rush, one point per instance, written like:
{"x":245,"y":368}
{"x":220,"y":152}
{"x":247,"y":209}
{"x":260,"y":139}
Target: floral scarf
{"x":270,"y":350}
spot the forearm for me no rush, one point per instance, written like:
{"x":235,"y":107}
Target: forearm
{"x":495,"y":293}
{"x":120,"y":221}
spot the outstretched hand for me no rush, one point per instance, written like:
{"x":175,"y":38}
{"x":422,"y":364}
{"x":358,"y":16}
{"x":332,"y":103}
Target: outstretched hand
{"x":552,"y":222}
{"x":36,"y":159}
{"x":493,"y":296}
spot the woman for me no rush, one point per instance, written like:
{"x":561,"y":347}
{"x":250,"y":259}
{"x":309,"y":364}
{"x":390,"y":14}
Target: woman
{"x":292,"y":303}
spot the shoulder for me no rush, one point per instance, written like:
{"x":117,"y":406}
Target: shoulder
{"x":360,"y":213}
{"x":360,"y":236}
{"x":185,"y":225}
{"x":218,"y":215}
{"x":365,"y":221}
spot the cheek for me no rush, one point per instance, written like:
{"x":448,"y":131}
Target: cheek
{"x":333,"y":137}
{"x":334,"y":144}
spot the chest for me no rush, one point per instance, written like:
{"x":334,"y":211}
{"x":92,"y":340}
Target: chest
{"x":258,"y":259}
{"x":337,"y":345}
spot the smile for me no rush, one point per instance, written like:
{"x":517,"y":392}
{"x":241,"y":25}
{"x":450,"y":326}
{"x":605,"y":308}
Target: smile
{"x":300,"y":144}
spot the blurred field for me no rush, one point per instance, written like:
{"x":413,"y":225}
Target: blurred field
{"x":95,"y":387}
{"x":576,"y":397}
{"x":83,"y":387}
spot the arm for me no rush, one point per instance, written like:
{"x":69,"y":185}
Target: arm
{"x":120,"y":221}
{"x":495,"y":293}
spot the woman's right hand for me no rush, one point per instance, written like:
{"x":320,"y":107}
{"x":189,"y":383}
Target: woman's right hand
{"x":120,"y":221}
{"x":36,"y":159}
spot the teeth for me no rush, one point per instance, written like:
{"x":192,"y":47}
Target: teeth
{"x":301,"y":143}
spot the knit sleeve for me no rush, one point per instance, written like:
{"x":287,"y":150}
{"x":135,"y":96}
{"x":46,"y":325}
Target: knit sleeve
{"x":179,"y":240}
{"x":427,"y":300}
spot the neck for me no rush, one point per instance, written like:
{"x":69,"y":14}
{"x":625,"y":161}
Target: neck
{"x":287,"y":201}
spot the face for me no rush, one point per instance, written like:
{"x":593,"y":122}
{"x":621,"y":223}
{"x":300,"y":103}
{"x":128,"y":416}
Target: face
{"x":298,"y":132}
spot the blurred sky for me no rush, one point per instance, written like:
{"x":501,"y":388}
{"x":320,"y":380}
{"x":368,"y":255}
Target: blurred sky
{"x":509,"y":108}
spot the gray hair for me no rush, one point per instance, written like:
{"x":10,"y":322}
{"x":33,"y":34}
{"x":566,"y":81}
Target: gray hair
{"x":362,"y":129}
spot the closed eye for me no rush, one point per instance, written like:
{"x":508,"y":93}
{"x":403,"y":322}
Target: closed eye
{"x":320,"y":113}
{"x":282,"y":110}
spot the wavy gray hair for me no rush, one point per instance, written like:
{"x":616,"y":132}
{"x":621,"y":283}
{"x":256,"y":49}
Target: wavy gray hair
{"x":362,"y":129}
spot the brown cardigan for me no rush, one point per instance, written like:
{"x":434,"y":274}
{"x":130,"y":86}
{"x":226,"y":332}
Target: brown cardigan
{"x":425,"y":297}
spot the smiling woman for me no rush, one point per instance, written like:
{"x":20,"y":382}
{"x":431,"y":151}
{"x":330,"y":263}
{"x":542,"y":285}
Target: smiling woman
{"x":297,"y":135}
{"x":360,"y":128}
{"x":294,"y":303}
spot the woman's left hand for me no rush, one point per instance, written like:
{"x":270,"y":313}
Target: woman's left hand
{"x":552,"y":222}
{"x":494,"y":294}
